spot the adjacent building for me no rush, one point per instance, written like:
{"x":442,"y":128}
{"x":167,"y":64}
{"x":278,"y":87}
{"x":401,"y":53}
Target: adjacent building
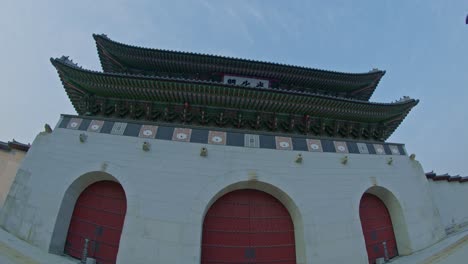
{"x":11,"y":155}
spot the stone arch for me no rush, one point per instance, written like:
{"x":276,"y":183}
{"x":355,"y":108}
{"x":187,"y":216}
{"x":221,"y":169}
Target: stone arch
{"x":283,"y":197}
{"x":397,"y":216}
{"x":62,"y":222}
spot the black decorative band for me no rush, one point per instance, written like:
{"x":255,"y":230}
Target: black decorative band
{"x":216,"y":137}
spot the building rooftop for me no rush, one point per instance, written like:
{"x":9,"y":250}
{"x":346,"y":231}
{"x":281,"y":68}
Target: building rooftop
{"x":122,"y":58}
{"x":7,"y":146}
{"x":214,"y":91}
{"x":446,"y":177}
{"x":152,"y":97}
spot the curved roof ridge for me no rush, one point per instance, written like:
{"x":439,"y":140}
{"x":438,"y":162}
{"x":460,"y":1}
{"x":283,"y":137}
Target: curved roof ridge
{"x":67,"y":62}
{"x":371,"y":72}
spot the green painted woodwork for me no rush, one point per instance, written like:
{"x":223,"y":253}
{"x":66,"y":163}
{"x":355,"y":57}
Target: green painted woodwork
{"x":121,"y":58}
{"x":130,"y":96}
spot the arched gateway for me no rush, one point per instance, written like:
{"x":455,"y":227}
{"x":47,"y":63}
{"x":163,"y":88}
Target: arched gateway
{"x":377,"y":228}
{"x":98,"y":216}
{"x":248,"y":226}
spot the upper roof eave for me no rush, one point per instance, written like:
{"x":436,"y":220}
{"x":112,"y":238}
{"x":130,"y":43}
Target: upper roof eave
{"x":362,"y":85}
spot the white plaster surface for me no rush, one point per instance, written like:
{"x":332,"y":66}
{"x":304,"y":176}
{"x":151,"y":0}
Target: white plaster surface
{"x":451,"y":200}
{"x":451,"y":250}
{"x":169,"y":188}
{"x":15,"y":251}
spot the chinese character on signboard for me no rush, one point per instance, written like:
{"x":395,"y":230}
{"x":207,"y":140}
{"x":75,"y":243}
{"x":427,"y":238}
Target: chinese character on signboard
{"x":246,"y":82}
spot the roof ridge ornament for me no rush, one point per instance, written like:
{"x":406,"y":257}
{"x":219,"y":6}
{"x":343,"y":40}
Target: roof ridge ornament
{"x":404,"y":99}
{"x":102,"y":36}
{"x":68,"y":61}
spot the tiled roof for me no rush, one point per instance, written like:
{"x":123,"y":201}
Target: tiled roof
{"x":14,"y":145}
{"x":4,"y":146}
{"x":80,"y":83}
{"x":117,"y":57}
{"x":446,"y":177}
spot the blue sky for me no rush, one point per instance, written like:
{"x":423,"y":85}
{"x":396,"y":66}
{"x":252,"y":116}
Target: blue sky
{"x":421,"y":44}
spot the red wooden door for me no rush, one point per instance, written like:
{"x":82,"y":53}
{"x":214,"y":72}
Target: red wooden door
{"x":99,"y":216}
{"x":377,"y":228}
{"x":248,"y":226}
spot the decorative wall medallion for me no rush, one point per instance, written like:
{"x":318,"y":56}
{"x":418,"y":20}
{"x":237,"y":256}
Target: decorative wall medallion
{"x":314,"y":145}
{"x":182,"y":134}
{"x":95,"y":126}
{"x":147,"y":131}
{"x":283,"y":143}
{"x":340,"y":146}
{"x":74,"y":123}
{"x":363,"y":148}
{"x":217,"y":137}
{"x":118,"y":128}
{"x":252,"y":141}
{"x":379,"y":149}
{"x":394,"y":150}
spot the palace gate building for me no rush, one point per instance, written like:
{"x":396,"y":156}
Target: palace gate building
{"x":178,"y":157}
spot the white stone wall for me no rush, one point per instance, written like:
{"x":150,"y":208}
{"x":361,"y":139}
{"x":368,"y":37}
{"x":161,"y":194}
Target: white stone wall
{"x":450,"y":199}
{"x":170,"y":187}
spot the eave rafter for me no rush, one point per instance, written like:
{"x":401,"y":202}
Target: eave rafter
{"x":149,"y":61}
{"x":97,"y":93}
